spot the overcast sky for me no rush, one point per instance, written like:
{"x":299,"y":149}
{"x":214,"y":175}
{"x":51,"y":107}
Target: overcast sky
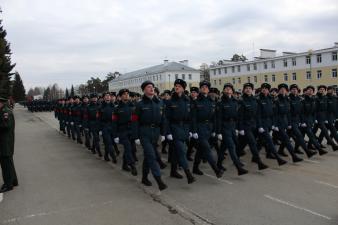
{"x":67,"y":42}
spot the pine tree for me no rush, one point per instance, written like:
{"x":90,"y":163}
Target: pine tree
{"x":5,"y":63}
{"x":67,"y":93}
{"x":18,"y":89}
{"x":72,"y":94}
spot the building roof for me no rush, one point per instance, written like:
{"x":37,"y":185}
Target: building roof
{"x":167,"y":66}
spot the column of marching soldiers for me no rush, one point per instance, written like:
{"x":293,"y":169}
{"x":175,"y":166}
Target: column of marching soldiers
{"x":197,"y":122}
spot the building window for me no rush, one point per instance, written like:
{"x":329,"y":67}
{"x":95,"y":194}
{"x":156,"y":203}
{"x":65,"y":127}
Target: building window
{"x":219,"y":82}
{"x":308,"y":59}
{"x":286,"y":77}
{"x":273,"y":78}
{"x":233,"y":81}
{"x":266,"y":78}
{"x":214,"y":72}
{"x":249,"y":80}
{"x":319,"y":58}
{"x":215,"y":82}
{"x":319,"y":74}
{"x":273,"y":64}
{"x":285,"y":62}
{"x":255,"y":79}
{"x":233,"y":69}
{"x":219,"y":71}
{"x":294,"y":62}
{"x":265,"y":65}
{"x":183,"y":76}
{"x":308,"y":75}
{"x":255,"y":66}
{"x":294,"y":76}
{"x":176,"y":76}
{"x":334,"y":56}
{"x":334,"y":73}
{"x":248,"y":67}
{"x":239,"y":68}
{"x":189,"y":76}
{"x":239,"y":80}
{"x":226,"y":70}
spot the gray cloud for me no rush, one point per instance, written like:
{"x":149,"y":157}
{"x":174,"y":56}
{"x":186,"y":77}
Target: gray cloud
{"x":69,"y":41}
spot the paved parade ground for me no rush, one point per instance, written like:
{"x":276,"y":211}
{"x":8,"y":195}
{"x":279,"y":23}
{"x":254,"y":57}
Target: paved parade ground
{"x":62,"y":183}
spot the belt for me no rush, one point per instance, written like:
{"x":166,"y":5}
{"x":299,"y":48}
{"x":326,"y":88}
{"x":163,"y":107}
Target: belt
{"x":152,"y":125}
{"x":204,"y":121}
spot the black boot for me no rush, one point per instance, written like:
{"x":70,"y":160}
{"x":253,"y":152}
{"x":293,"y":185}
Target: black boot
{"x":322,"y":151}
{"x":296,"y":159}
{"x":218,"y":172}
{"x":299,"y":152}
{"x":261,"y":165}
{"x":310,"y":153}
{"x":106,"y":157}
{"x":125,"y":167}
{"x":146,"y":181}
{"x":174,"y":173}
{"x":197,"y":171}
{"x":334,"y":147}
{"x":280,"y":160}
{"x":133,"y":170}
{"x":161,"y":185}
{"x":241,"y":170}
{"x":190,"y":177}
{"x":282,"y":153}
{"x":270,"y":156}
{"x":162,"y":164}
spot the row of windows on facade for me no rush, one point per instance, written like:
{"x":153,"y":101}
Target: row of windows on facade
{"x":273,"y":77}
{"x":151,"y":78}
{"x":265,"y":64}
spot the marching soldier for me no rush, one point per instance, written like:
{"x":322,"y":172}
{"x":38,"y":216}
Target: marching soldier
{"x":192,"y":141}
{"x":203,"y":127}
{"x":149,"y":124}
{"x":265,"y":120}
{"x":122,"y":118}
{"x":247,"y":126}
{"x":179,"y":124}
{"x":227,"y":112}
{"x":93,"y":124}
{"x":76,"y":118}
{"x":105,"y":114}
{"x":84,"y":119}
{"x":282,"y":121}
{"x":308,"y":119}
{"x":7,"y":126}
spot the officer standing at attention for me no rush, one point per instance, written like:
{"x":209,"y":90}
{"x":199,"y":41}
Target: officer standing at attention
{"x":122,"y":118}
{"x":247,"y":116}
{"x":149,"y":125}
{"x":7,"y":126}
{"x":203,"y":112}
{"x":179,"y":123}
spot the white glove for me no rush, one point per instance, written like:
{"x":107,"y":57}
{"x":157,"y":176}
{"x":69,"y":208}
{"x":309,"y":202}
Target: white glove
{"x":261,"y":130}
{"x":195,"y":135}
{"x":219,"y":136}
{"x":289,"y":127}
{"x":162,"y":138}
{"x":117,"y":140}
{"x":276,"y":129}
{"x":137,"y":141}
{"x":316,"y":121}
{"x":100,"y":133}
{"x":213,"y":134}
{"x":236,"y":131}
{"x":190,"y":134}
{"x":326,"y":121}
{"x":71,"y":123}
{"x":80,"y":126}
{"x":170,"y":137}
{"x":273,"y":127}
{"x":303,"y":125}
{"x":241,"y":132}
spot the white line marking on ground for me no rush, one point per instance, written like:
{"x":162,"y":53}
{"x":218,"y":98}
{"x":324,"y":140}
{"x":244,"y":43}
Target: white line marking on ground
{"x":296,"y":207}
{"x":219,"y":179}
{"x":1,"y":197}
{"x":311,"y":161}
{"x":326,"y":184}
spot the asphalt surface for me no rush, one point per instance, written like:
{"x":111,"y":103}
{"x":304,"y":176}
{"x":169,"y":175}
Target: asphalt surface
{"x":61,"y":182}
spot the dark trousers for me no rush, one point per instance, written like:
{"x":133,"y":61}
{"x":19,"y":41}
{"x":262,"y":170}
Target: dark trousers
{"x":108,"y":140}
{"x":8,"y":170}
{"x":285,"y":141}
{"x":268,"y":141}
{"x":127,"y":154}
{"x":204,"y":152}
{"x":325,"y":132}
{"x":333,"y":132}
{"x":229,"y":142}
{"x":179,"y":154}
{"x":150,"y":157}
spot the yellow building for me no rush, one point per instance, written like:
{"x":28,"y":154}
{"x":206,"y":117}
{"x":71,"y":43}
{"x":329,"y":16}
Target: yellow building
{"x":313,"y":67}
{"x":163,"y":76}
